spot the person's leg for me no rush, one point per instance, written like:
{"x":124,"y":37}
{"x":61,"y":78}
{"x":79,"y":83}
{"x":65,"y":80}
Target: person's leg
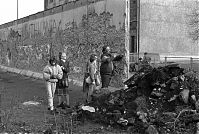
{"x":53,"y":85}
{"x":105,"y":80}
{"x":90,"y":92}
{"x":49,"y":95}
{"x":108,"y":80}
{"x":59,"y":99}
{"x":67,"y":97}
{"x":62,"y":99}
{"x":53,"y":88}
{"x":85,"y":90}
{"x":59,"y":96}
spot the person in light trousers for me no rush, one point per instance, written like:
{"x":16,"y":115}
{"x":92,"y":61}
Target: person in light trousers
{"x":91,"y":72}
{"x":51,"y":73}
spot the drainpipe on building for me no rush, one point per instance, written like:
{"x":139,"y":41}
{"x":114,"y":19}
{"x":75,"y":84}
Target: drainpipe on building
{"x":17,"y":10}
{"x":87,"y":23}
{"x":138,"y":28}
{"x":127,"y":37}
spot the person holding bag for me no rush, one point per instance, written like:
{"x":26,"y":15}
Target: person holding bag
{"x":90,"y":77}
{"x":52,"y":73}
{"x":63,"y":84}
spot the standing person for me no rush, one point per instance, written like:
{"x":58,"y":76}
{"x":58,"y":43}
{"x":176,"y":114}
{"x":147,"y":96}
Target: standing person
{"x":51,"y":73}
{"x":63,"y":84}
{"x":91,"y":74}
{"x":146,"y":59}
{"x":106,"y":68}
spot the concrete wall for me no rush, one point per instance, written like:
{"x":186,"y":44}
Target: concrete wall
{"x":164,"y":27}
{"x":28,"y":43}
{"x":53,"y":3}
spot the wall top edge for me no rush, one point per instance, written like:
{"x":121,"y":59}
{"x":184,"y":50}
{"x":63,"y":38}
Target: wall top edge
{"x":70,"y":6}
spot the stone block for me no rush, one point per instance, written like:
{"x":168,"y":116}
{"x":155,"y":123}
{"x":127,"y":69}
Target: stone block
{"x":37,"y":75}
{"x":29,"y":73}
{"x":15,"y":70}
{"x":23,"y":72}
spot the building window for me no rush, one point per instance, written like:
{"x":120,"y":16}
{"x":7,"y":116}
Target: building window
{"x":133,"y":46}
{"x":51,"y":1}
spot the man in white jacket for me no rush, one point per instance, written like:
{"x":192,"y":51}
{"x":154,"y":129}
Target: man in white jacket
{"x":52,"y":72}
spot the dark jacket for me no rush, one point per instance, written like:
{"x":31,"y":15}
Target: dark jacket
{"x":64,"y":82}
{"x":106,"y":67}
{"x":66,"y":68}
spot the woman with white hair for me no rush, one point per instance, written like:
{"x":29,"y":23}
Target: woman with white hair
{"x":63,"y":84}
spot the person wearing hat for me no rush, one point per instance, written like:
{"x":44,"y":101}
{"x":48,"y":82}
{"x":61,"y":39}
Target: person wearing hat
{"x":63,"y":84}
{"x":51,"y":74}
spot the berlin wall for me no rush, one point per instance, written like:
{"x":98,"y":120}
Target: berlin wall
{"x":76,"y":28}
{"x":80,"y":29}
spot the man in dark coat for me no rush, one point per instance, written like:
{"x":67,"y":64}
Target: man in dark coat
{"x":63,"y":84}
{"x":106,"y":68}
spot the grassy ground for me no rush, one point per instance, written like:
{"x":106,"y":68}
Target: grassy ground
{"x":16,"y":117}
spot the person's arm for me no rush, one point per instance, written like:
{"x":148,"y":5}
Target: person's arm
{"x":60,"y":72}
{"x":91,"y":72}
{"x":105,"y":58}
{"x":118,"y":57}
{"x":66,"y":67}
{"x":46,"y":73}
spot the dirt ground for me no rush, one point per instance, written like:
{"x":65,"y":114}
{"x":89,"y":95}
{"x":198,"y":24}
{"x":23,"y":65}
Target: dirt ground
{"x":17,"y":117}
{"x":24,"y":109}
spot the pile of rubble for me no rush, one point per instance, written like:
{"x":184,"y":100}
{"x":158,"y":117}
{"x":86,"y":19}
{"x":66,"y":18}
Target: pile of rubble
{"x":156,"y":100}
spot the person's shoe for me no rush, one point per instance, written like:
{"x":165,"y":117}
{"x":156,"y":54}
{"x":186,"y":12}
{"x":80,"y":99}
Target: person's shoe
{"x":53,"y":112}
{"x":68,"y":106}
{"x":65,"y":106}
{"x":61,"y":105}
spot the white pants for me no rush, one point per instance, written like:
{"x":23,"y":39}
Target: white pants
{"x":50,"y":86}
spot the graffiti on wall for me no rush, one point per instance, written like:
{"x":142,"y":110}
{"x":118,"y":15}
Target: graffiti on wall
{"x":38,"y":28}
{"x":34,"y":43}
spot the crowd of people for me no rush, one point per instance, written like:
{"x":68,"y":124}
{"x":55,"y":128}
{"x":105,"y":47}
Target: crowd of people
{"x":57,"y":82}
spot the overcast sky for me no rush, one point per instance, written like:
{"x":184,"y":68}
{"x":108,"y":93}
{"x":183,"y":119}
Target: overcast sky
{"x":8,"y":9}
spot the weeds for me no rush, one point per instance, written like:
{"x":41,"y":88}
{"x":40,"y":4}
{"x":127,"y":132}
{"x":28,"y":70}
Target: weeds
{"x":7,"y":114}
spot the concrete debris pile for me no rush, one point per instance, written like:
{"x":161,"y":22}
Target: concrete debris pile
{"x":157,"y":100}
